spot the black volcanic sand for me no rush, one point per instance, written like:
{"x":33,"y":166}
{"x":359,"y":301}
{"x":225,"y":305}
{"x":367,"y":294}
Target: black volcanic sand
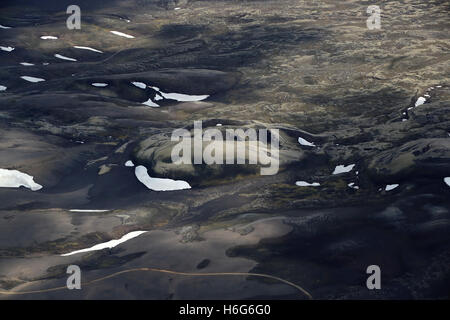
{"x":311,"y":69}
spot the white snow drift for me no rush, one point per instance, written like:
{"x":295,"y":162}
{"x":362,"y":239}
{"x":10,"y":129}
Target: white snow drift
{"x":32,"y":79}
{"x":307,"y":184}
{"x":140,"y":85}
{"x":121,"y":34}
{"x":129,"y":163}
{"x":7,"y":49}
{"x":390,"y":187}
{"x":353,"y":186}
{"x":109,"y":244}
{"x":342,"y":168}
{"x":150,"y":103}
{"x":183,"y":97}
{"x":157,"y":184}
{"x":60,"y":56}
{"x":99,"y":84}
{"x":87,"y":48}
{"x":49,"y":37}
{"x":420,"y":101}
{"x":304,"y":142}
{"x":447,"y":181}
{"x":16,"y":179}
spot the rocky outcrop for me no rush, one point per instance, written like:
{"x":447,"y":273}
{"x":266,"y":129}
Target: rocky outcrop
{"x":156,"y":153}
{"x":419,"y":158}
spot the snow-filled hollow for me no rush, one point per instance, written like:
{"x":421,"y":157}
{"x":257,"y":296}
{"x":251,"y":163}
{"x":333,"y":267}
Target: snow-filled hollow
{"x":121,"y":34}
{"x":129,"y":163}
{"x":49,"y":38}
{"x":17,"y":179}
{"x":107,"y":245}
{"x":353,"y":186}
{"x":304,"y":142}
{"x":7,"y":49}
{"x":343,"y":169}
{"x":447,"y":181}
{"x":183,"y":97}
{"x":32,"y":79}
{"x":150,"y":103}
{"x":60,"y":56}
{"x":180,"y":97}
{"x":307,"y":184}
{"x":158,"y":184}
{"x":390,"y":187}
{"x":99,"y":84}
{"x":420,"y":101}
{"x":139,"y":84}
{"x":88,"y":48}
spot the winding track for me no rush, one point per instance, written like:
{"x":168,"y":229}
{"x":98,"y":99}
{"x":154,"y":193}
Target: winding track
{"x":212,"y":274}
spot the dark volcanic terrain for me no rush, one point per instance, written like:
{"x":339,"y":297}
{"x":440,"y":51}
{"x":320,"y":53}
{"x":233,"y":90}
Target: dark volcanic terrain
{"x":375,"y":99}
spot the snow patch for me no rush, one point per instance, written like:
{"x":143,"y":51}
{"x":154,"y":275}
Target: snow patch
{"x":304,"y":142}
{"x":140,"y":85}
{"x":3,"y":88}
{"x":32,"y":79}
{"x":7,"y":49}
{"x":420,"y":101}
{"x":157,"y":184}
{"x":307,"y":184}
{"x":49,"y":37}
{"x":353,"y":186}
{"x":183,"y":97}
{"x":99,"y":84}
{"x":27,"y":64}
{"x":390,"y":187}
{"x":178,"y":96}
{"x":59,"y":56}
{"x":129,"y":163}
{"x":150,"y":103}
{"x":121,"y":34}
{"x":16,"y":179}
{"x":447,"y":181}
{"x":109,"y":244}
{"x":342,"y":168}
{"x":87,"y":48}
{"x":4,"y":27}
